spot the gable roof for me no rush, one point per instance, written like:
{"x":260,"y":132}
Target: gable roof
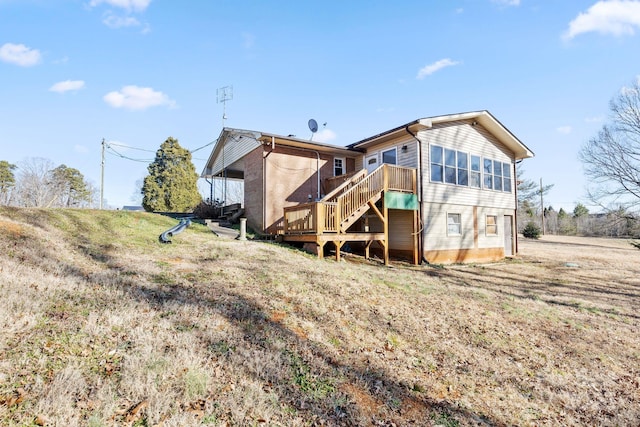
{"x":237,"y":143}
{"x":484,"y":118}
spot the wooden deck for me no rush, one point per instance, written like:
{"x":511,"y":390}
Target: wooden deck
{"x":329,"y":219}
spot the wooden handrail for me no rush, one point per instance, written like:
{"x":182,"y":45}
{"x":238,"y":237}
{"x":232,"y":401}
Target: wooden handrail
{"x":355,"y":178}
{"x":330,"y":213}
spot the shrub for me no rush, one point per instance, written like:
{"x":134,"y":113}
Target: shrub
{"x":531,"y":231}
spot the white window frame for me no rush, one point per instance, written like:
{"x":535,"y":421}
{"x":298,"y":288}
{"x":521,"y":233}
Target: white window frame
{"x":459,"y":223}
{"x":395,"y":150}
{"x":342,"y":166}
{"x":486,"y":225}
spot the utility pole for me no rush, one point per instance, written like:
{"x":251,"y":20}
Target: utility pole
{"x":224,"y":94}
{"x":102,"y":177}
{"x":542,"y":206}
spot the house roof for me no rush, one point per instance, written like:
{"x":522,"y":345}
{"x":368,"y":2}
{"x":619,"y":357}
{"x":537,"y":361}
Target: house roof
{"x":484,"y":118}
{"x":239,"y":142}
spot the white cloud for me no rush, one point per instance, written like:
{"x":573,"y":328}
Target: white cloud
{"x":113,"y":21}
{"x":325,"y":135}
{"x":19,"y":54}
{"x":616,"y":17}
{"x":506,"y":2}
{"x":67,"y":85}
{"x":137,"y":98}
{"x":565,"y":130}
{"x":598,"y":119}
{"x":432,"y":68}
{"x":128,"y":5}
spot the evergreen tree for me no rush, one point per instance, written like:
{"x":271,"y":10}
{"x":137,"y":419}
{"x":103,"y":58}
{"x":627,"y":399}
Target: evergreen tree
{"x":70,"y":187}
{"x":171,"y":185}
{"x":7,"y":180}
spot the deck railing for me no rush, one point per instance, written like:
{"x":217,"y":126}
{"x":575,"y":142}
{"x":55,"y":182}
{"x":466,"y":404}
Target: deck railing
{"x":328,"y":215}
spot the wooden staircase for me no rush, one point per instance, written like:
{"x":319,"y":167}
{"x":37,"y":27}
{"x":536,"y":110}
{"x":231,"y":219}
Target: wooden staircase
{"x":330,"y":218}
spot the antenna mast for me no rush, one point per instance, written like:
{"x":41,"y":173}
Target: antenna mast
{"x":224,"y":94}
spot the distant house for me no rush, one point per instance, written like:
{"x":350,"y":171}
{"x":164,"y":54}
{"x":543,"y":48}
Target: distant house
{"x":441,"y":188}
{"x":132,"y":208}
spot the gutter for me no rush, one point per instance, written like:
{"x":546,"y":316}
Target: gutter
{"x":420,"y":240}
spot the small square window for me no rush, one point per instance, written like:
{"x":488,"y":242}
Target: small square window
{"x":492,"y":225}
{"x":454,"y":224}
{"x":389,"y":157}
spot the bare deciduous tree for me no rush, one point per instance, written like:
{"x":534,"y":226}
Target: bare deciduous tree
{"x":34,"y":189}
{"x":612,"y":158}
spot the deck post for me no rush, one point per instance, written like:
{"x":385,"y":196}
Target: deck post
{"x":386,"y":229}
{"x":319,"y":217}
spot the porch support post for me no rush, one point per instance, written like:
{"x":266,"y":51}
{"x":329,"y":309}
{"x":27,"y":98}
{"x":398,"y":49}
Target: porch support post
{"x":338,"y":246}
{"x":385,"y":222}
{"x":416,"y":227}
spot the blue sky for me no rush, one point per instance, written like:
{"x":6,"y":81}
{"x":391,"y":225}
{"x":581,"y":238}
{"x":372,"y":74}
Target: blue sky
{"x":135,"y":72}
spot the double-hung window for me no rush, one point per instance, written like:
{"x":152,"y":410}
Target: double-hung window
{"x":506,"y":176}
{"x":475,"y":175}
{"x":338,"y":166}
{"x":449,"y":166}
{"x":463,"y":168}
{"x":454,"y":224}
{"x":491,"y":225}
{"x":437,"y":163}
{"x":487,"y":171}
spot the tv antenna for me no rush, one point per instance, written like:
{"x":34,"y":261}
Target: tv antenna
{"x":313,"y":127}
{"x":224,"y":94}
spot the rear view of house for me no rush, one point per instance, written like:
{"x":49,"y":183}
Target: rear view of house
{"x":441,"y":189}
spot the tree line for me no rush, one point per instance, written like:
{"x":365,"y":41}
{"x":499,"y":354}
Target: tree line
{"x":37,"y":183}
{"x":170,"y":186}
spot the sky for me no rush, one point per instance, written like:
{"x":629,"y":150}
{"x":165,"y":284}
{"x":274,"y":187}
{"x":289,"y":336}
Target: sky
{"x":135,"y":72}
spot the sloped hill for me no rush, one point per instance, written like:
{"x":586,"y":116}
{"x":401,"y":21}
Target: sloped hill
{"x":102,"y":325}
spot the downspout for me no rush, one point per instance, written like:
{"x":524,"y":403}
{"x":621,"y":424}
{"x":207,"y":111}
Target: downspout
{"x":420,"y":242}
{"x":515,"y":212}
{"x":264,"y":186}
{"x":210,"y":190}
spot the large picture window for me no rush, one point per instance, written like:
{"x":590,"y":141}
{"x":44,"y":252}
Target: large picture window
{"x":450,"y":166}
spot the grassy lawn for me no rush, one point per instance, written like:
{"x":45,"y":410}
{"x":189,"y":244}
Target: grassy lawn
{"x":101,"y":325}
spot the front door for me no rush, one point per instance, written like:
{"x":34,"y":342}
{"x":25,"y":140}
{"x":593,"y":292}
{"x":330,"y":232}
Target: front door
{"x":508,"y":235}
{"x":371,"y":162}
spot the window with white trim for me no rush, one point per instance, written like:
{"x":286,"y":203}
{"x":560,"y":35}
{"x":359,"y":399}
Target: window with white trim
{"x":450,"y":166}
{"x":491,"y":227}
{"x":390,"y":156}
{"x":437,"y":163}
{"x":475,"y":175}
{"x":454,"y":224}
{"x":338,"y":166}
{"x":506,"y":176}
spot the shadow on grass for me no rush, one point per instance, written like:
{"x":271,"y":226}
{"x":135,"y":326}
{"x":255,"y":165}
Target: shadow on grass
{"x":314,"y":382}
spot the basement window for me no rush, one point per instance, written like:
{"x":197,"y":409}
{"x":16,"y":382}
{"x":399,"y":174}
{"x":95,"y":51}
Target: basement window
{"x":454,"y":224}
{"x":492,"y":225}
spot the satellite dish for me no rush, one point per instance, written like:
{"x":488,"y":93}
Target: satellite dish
{"x":313,"y":125}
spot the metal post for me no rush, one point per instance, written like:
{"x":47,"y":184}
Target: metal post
{"x":102,"y":177}
{"x":243,"y":229}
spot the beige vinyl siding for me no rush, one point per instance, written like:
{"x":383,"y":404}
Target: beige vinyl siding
{"x":400,"y":229}
{"x":407,"y":158}
{"x":496,"y":241}
{"x":234,"y":150}
{"x":435,"y":227}
{"x":474,"y":140}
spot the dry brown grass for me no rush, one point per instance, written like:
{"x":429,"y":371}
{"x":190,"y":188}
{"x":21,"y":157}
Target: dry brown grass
{"x":101,"y":325}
